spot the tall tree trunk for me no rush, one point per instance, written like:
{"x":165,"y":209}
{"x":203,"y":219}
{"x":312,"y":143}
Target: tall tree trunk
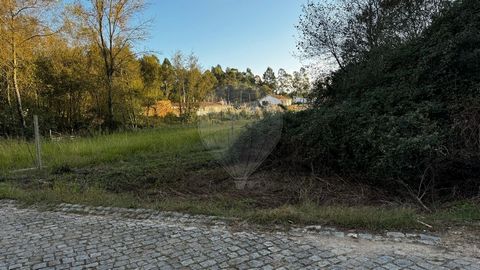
{"x":167,"y":94}
{"x":184,"y":95}
{"x":9,"y":99}
{"x":110,"y":120}
{"x":16,"y":87}
{"x":108,"y":59}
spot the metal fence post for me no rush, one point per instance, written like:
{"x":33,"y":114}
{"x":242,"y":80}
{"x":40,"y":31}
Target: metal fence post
{"x":37,"y":142}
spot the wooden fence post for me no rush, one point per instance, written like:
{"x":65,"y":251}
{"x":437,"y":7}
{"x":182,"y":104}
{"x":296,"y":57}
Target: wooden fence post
{"x":38,"y":148}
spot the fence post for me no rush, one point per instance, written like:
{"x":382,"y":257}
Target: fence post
{"x":37,"y":142}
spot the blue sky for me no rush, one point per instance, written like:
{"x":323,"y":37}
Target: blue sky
{"x":234,"y":33}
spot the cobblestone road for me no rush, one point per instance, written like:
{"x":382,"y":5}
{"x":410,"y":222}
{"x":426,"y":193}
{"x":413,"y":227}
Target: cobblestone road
{"x":104,"y":239}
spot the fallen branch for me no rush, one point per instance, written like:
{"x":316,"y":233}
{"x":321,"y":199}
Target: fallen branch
{"x":414,"y":195}
{"x":425,"y":224}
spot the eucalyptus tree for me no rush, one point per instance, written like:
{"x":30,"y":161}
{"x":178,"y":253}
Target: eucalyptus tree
{"x":179,"y":91}
{"x":284,"y":82}
{"x":301,"y":82}
{"x":167,"y":76}
{"x":269,"y":79}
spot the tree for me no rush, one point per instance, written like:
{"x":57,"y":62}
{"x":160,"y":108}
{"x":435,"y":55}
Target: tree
{"x":232,"y":77}
{"x":284,"y":82}
{"x":206,"y":85}
{"x":63,"y":80}
{"x":301,"y":82}
{"x":320,"y":28}
{"x":249,"y":77}
{"x":342,"y":32}
{"x":179,"y":91}
{"x":150,"y":70}
{"x":217,"y":71}
{"x":111,"y":25}
{"x":192,"y":85}
{"x":167,"y":76}
{"x":269,"y":79}
{"x":130,"y":90}
{"x":193,"y":79}
{"x":22,"y":22}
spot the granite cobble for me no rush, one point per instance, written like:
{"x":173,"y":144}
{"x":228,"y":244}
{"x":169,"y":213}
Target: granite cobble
{"x":77,"y":237}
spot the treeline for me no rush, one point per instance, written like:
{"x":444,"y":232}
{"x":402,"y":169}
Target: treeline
{"x":237,"y":87}
{"x":74,"y":65}
{"x":401,"y":111}
{"x":181,"y":81}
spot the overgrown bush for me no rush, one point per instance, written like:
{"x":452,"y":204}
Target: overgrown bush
{"x":401,"y":117}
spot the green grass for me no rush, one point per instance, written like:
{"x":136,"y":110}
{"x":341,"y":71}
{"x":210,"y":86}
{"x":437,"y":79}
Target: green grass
{"x":458,"y":212}
{"x":367,"y":217}
{"x":79,"y":152}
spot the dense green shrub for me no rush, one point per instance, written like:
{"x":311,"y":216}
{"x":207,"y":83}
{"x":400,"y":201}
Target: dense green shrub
{"x":406,"y":116}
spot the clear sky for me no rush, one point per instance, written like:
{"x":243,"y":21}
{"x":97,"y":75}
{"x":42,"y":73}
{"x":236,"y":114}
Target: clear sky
{"x":233,"y":33}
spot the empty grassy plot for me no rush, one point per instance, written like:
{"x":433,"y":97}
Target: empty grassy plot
{"x":15,"y":154}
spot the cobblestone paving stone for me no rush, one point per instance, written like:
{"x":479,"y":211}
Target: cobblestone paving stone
{"x":60,"y":239}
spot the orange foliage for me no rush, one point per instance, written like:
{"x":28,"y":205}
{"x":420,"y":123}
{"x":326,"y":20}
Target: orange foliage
{"x":161,"y":109}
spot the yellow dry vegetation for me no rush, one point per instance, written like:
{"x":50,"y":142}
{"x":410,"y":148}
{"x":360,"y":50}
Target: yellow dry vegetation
{"x":161,"y":109}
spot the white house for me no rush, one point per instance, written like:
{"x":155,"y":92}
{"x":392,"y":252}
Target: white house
{"x":300,"y":100}
{"x":275,"y":100}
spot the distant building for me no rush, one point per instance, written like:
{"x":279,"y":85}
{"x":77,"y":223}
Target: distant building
{"x":300,"y":100}
{"x":275,"y":100}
